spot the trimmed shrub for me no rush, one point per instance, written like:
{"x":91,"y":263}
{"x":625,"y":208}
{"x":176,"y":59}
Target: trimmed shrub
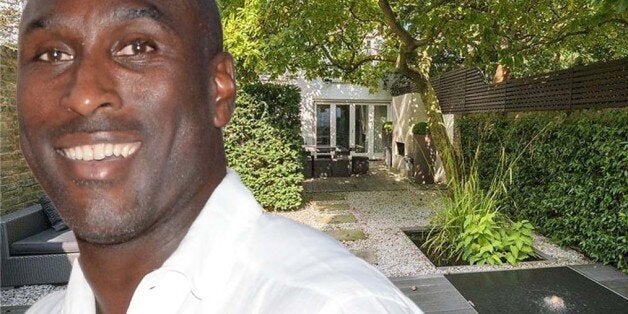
{"x":263,"y":145}
{"x":284,"y":112}
{"x":421,"y":128}
{"x":572,"y":178}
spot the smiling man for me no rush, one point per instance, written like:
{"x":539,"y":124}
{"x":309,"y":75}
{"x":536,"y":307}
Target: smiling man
{"x":121,"y":105}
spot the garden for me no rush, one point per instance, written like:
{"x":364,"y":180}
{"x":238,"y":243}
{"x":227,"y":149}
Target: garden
{"x":561,"y":174}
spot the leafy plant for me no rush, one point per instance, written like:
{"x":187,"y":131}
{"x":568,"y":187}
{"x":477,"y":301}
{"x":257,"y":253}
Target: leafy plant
{"x":387,"y":127}
{"x":472,"y":228}
{"x":420,"y":128}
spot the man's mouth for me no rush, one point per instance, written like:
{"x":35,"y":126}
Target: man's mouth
{"x":100,"y":151}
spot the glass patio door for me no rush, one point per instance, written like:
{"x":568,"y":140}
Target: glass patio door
{"x":342,"y":127}
{"x":323,"y":127}
{"x":357,"y":126}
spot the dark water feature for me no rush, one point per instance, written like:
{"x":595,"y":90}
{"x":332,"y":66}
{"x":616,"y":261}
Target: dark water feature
{"x":543,"y":290}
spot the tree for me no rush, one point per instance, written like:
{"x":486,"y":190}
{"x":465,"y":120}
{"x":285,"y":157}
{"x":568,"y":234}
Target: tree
{"x":330,"y":38}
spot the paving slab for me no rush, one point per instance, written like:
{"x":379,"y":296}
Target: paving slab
{"x":543,"y":290}
{"x":379,"y":178}
{"x":332,"y":207}
{"x":605,"y":275}
{"x":336,"y":219}
{"x":347,"y":234}
{"x":324,"y":197}
{"x":433,"y":294}
{"x":369,"y":256}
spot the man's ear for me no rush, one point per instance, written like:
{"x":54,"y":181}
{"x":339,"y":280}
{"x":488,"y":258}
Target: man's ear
{"x":224,"y":88}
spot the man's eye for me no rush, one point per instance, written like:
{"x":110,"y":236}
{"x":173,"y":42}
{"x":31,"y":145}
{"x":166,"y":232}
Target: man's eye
{"x":135,"y":48}
{"x":55,"y":56}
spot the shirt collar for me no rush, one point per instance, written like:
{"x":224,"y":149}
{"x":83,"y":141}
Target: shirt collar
{"x":205,"y":254}
{"x":79,"y":297}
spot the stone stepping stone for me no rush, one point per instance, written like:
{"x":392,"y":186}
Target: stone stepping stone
{"x":368,"y":255}
{"x":326,"y":203}
{"x":317,"y":197}
{"x":327,"y":207}
{"x":347,"y":234}
{"x":337,"y":219}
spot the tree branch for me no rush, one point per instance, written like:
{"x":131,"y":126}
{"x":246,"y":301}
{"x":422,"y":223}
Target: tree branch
{"x":355,"y":15}
{"x":405,"y":37}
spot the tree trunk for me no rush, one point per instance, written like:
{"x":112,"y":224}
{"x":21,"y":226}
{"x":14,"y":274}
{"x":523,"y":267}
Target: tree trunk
{"x":448,"y":154}
{"x":502,"y":74}
{"x":446,"y":150}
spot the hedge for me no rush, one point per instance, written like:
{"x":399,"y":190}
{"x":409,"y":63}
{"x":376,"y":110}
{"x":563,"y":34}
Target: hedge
{"x":263,"y":144}
{"x":571,"y":180}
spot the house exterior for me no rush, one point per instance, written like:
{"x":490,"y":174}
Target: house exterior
{"x":348,"y":116}
{"x":342,"y":115}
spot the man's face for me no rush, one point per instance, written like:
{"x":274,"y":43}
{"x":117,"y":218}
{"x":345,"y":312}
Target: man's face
{"x":116,"y":103}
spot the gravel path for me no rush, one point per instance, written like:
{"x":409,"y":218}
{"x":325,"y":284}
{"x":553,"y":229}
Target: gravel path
{"x":382,"y":215}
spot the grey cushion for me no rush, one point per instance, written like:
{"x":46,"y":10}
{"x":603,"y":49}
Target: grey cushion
{"x":49,"y":241}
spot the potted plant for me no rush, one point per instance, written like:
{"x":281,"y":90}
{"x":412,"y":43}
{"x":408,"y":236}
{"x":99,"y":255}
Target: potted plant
{"x":424,"y":154}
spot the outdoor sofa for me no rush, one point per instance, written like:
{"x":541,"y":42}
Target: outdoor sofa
{"x":33,"y":252}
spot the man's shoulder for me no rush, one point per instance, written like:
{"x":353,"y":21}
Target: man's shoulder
{"x":52,"y":303}
{"x":300,"y":258}
{"x":286,"y":238}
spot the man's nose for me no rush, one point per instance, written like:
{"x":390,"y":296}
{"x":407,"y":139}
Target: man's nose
{"x":91,"y":88}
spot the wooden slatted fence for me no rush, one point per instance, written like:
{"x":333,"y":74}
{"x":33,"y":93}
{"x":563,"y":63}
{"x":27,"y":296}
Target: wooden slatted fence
{"x":601,"y":85}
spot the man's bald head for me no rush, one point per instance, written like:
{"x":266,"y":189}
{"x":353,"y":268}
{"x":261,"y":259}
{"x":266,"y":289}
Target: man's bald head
{"x":211,"y":28}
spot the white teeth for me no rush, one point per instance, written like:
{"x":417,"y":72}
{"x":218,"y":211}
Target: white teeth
{"x":116,"y":150}
{"x":125,"y":150}
{"x":108,"y":149}
{"x":100,"y":151}
{"x":69,"y":152}
{"x":88,"y":153}
{"x":79,"y":153}
{"x":132,"y":149}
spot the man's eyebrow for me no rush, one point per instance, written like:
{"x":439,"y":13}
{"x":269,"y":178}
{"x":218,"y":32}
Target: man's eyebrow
{"x":145,"y":12}
{"x":38,"y":23}
{"x":148,"y":12}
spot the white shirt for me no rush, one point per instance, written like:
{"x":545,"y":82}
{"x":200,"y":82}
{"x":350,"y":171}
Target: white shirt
{"x":237,"y":259}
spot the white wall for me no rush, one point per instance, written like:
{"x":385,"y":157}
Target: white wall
{"x":316,"y":90}
{"x":407,"y":110}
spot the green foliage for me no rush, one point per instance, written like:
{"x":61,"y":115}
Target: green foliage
{"x":364,"y":41}
{"x":283,"y":108}
{"x":420,"y":128}
{"x":358,"y":41}
{"x":387,"y":127}
{"x":263,"y":144}
{"x":570,"y":183}
{"x":471,"y":227}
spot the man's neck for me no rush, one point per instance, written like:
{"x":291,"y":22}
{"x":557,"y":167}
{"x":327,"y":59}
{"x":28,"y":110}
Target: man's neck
{"x":114,"y":271}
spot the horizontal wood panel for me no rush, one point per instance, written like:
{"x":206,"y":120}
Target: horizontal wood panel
{"x":593,"y":86}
